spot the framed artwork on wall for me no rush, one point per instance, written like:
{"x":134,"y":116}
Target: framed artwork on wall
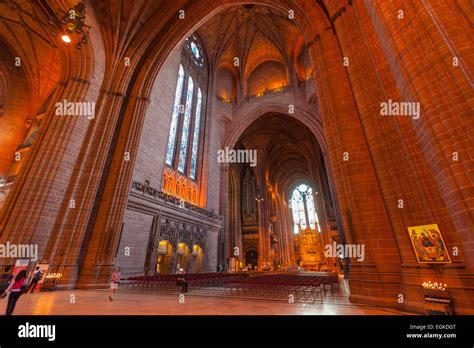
{"x":428,"y":244}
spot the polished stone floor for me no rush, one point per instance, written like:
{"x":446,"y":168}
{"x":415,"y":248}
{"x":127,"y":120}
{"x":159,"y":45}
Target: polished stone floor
{"x":96,"y":302}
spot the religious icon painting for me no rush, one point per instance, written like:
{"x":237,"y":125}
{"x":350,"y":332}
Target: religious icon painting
{"x":429,"y":244}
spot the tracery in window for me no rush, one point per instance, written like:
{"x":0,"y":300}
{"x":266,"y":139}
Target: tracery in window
{"x":182,"y":172}
{"x":303,"y":209}
{"x":174,"y":117}
{"x":197,"y":122}
{"x":185,"y":132}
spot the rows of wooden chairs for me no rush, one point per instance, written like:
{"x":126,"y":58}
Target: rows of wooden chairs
{"x":296,"y":287}
{"x":168,"y":282}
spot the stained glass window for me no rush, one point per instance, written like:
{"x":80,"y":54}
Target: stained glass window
{"x":302,"y":205}
{"x":311,"y":210}
{"x":298,"y":211}
{"x":182,"y":156}
{"x":197,"y":122}
{"x":195,"y":50}
{"x":175,"y":116}
{"x":187,"y":120}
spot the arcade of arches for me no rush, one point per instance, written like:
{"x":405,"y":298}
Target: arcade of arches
{"x":243,"y":136}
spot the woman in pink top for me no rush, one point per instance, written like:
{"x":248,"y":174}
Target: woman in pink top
{"x":115,"y":282}
{"x":15,"y":291}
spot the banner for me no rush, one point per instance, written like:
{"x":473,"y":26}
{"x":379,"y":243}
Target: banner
{"x":20,"y":265}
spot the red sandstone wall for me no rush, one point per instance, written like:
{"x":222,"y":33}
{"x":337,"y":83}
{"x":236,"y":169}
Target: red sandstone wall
{"x":15,"y":105}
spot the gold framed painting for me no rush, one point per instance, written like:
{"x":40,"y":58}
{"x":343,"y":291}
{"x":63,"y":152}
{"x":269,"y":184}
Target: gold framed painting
{"x":428,"y":244}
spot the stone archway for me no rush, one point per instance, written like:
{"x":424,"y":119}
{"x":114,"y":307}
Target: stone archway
{"x":310,"y":120}
{"x":94,"y":229}
{"x":367,"y":187}
{"x":145,"y":70}
{"x":278,"y":252}
{"x":342,"y":131}
{"x":59,"y":154}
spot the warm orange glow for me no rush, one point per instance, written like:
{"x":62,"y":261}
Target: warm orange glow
{"x":434,"y":286}
{"x":224,"y":99}
{"x":181,"y":187}
{"x":163,"y":247}
{"x":196,"y":250}
{"x":182,"y":249}
{"x":276,"y":85}
{"x":277,"y":89}
{"x":66,"y":38}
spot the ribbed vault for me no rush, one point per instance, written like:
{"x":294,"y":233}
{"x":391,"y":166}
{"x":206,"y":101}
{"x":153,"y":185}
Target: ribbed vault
{"x":287,"y":150}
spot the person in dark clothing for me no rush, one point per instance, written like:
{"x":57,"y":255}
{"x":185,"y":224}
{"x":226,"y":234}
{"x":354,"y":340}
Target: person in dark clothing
{"x":182,"y":281}
{"x":16,"y":290}
{"x":35,"y":278}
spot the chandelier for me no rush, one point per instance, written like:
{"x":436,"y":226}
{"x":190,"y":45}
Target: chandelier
{"x":70,"y":24}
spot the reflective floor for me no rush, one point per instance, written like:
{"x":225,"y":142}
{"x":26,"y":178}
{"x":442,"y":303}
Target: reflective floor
{"x":96,"y":302}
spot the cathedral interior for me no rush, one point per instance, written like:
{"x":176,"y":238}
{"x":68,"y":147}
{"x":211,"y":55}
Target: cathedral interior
{"x":279,"y":141}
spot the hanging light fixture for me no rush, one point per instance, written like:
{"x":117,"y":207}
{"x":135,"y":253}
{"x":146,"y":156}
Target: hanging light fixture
{"x":71,"y":24}
{"x":66,"y":38}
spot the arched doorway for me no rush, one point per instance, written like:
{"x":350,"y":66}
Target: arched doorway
{"x":251,"y":259}
{"x":165,"y":254}
{"x":183,"y":255}
{"x":287,"y":159}
{"x":197,"y":259}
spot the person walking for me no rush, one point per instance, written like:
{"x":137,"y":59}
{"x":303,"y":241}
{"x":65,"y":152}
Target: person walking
{"x":35,"y":278}
{"x":115,"y":282}
{"x":182,"y":281}
{"x":15,"y":289}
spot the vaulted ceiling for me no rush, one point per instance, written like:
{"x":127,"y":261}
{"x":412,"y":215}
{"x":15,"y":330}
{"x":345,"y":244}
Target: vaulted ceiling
{"x":287,"y":150}
{"x":252,"y":33}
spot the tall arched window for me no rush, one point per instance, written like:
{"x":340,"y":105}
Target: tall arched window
{"x":181,"y":175}
{"x":303,"y":209}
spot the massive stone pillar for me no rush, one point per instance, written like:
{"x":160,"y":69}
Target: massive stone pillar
{"x":224,"y":210}
{"x":103,"y":238}
{"x":405,"y":151}
{"x":355,"y":180}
